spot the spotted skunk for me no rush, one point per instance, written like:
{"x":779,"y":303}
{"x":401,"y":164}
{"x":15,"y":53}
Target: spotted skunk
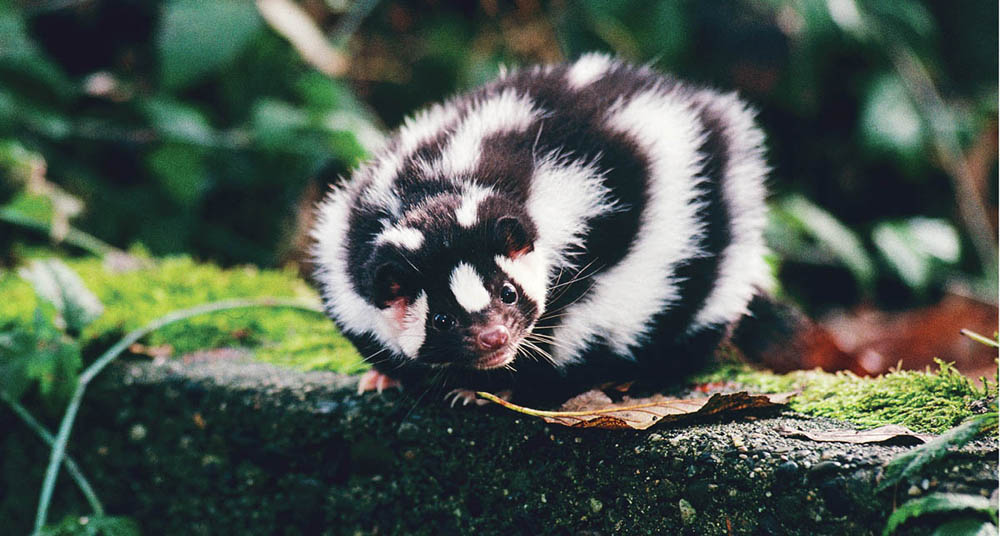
{"x":562,"y":226}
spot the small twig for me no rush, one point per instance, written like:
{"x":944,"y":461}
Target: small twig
{"x":66,"y":424}
{"x":979,"y":338}
{"x":295,"y":25}
{"x":74,"y":237}
{"x":71,"y":467}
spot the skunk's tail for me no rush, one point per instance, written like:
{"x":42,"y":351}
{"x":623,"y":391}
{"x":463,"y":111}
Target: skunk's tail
{"x":780,"y":337}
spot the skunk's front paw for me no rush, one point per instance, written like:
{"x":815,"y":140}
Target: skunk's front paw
{"x":374,"y":380}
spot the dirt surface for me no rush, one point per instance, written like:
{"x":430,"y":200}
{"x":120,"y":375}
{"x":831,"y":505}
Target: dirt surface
{"x":226,"y":446}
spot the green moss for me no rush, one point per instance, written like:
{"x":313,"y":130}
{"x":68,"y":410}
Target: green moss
{"x":924,"y":401}
{"x":133,"y":298}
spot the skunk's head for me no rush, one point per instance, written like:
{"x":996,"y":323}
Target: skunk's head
{"x":458,"y":281}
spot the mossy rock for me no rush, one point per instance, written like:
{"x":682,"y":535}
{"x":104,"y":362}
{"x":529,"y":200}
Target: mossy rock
{"x":925,"y":401}
{"x":221,"y":445}
{"x":133,"y":298}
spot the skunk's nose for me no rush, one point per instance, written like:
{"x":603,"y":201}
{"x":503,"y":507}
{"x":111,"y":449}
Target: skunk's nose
{"x":492,"y":338}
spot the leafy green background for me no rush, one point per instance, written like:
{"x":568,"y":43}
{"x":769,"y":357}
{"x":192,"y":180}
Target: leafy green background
{"x":194,"y":128}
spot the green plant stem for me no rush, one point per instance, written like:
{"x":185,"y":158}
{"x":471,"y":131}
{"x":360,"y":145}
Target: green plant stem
{"x":71,"y":467}
{"x":979,"y":338}
{"x":74,"y":237}
{"x":66,"y":424}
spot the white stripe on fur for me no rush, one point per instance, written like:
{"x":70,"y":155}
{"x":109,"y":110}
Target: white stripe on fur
{"x":354,"y":313}
{"x":530,"y":272}
{"x":404,"y":237}
{"x":497,"y":114}
{"x":468,"y":288}
{"x":587,"y":69}
{"x":387,"y":164}
{"x":742,"y":269}
{"x":624,"y":299}
{"x":414,"y":327}
{"x":565,"y":195}
{"x":466,"y":213}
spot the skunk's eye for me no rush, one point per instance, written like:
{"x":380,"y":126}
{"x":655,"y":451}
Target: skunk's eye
{"x":443,"y":321}
{"x":508,"y":294}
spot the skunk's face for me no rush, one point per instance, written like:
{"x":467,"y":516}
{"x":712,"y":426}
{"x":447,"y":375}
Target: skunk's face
{"x":459,"y":291}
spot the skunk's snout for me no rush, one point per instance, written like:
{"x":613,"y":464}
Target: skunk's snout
{"x":492,"y":338}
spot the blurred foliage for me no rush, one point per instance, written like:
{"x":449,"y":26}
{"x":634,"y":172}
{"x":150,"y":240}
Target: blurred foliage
{"x":193,"y":127}
{"x":185,"y":126}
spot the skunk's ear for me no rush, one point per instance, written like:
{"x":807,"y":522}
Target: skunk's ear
{"x":390,"y":283}
{"x":514,"y":238}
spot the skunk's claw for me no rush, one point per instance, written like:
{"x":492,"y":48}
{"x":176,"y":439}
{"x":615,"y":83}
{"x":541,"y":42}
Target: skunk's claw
{"x":374,"y":380}
{"x":467,"y":396}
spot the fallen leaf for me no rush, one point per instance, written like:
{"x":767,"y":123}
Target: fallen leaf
{"x":594,"y":409}
{"x":876,"y":435}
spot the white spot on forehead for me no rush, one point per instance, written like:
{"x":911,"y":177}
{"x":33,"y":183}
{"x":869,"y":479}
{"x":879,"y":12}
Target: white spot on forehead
{"x":404,"y":237}
{"x":413,"y":332}
{"x":468,"y":288}
{"x":506,"y":112}
{"x":466,"y":212}
{"x":588,"y":68}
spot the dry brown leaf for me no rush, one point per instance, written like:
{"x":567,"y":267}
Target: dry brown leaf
{"x":876,"y":435}
{"x":594,"y":409}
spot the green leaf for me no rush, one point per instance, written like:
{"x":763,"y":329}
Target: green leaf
{"x":197,"y":38}
{"x":181,"y":171}
{"x":277,"y":124}
{"x":916,"y":247}
{"x":320,"y":92}
{"x":177,"y":121}
{"x":894,"y":243}
{"x":911,"y":462}
{"x":937,"y":503}
{"x":59,"y":285}
{"x":832,"y":235}
{"x":889,"y":121}
{"x":966,"y":526}
{"x":39,"y":353}
{"x":18,"y":50}
{"x":14,"y":345}
{"x":935,"y":237}
{"x":908,"y":18}
{"x":54,"y":363}
{"x":353,"y":137}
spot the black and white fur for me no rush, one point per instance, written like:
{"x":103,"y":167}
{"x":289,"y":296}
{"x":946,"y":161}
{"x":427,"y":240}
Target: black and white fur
{"x":625,"y":209}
